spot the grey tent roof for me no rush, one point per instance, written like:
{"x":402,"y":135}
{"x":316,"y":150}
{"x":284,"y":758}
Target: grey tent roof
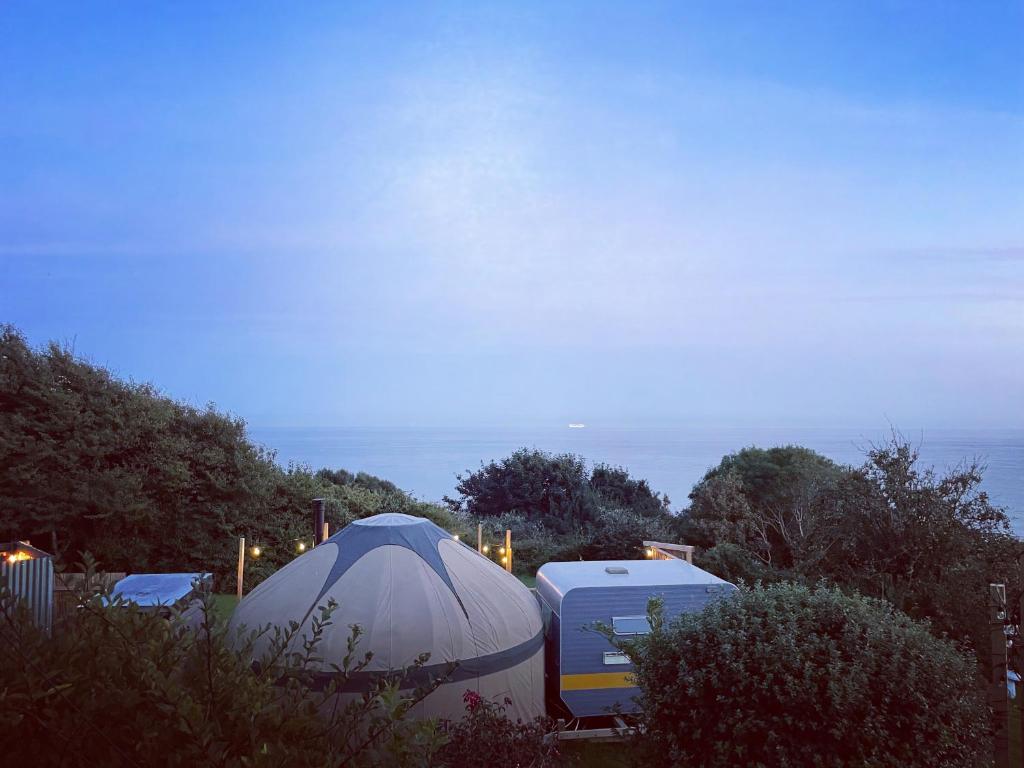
{"x":414,"y":533}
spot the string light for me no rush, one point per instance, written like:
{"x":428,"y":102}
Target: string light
{"x":501,"y":551}
{"x":504,"y":559}
{"x":649,"y":552}
{"x":487,"y":548}
{"x":302,"y":546}
{"x":255,"y":551}
{"x":456,"y":537}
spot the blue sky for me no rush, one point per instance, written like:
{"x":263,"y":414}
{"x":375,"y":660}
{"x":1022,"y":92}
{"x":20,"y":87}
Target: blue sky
{"x":366,"y":214}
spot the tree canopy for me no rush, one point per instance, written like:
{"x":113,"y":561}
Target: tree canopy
{"x":92,"y":463}
{"x":553,"y":489}
{"x":890,"y":528}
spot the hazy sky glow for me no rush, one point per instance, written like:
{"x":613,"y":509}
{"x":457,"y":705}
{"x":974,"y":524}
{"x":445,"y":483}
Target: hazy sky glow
{"x":736,"y":213}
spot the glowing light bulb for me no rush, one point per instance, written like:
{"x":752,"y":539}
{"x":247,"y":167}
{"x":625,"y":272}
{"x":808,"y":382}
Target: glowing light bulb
{"x":487,"y":548}
{"x":456,"y":537}
{"x":255,"y":551}
{"x":501,"y":550}
{"x":649,"y":552}
{"x":504,"y":560}
{"x":302,"y":546}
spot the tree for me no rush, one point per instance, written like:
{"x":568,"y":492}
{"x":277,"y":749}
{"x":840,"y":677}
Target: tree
{"x":792,"y":676}
{"x":552,"y":489}
{"x":774,"y":502}
{"x":617,"y":488}
{"x":486,"y":737}
{"x":556,"y":491}
{"x":929,"y":544}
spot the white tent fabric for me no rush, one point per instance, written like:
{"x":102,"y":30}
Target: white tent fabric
{"x":414,"y":589}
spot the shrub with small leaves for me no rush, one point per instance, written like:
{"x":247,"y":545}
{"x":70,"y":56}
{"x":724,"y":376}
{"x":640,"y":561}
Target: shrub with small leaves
{"x":119,"y":687}
{"x":787,"y":675}
{"x":485,"y":737}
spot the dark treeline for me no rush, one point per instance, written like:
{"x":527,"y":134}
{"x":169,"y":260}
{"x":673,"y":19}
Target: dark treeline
{"x":145,"y":483}
{"x":930,"y":545}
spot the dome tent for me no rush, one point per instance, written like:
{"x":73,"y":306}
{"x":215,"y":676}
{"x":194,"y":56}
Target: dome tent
{"x":412,"y":589}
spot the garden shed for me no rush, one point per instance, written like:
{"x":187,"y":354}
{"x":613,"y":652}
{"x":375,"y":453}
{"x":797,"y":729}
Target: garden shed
{"x":586,"y":674}
{"x":28,"y":573}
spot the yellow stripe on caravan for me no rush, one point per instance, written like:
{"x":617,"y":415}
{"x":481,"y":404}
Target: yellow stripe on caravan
{"x":597,"y":680}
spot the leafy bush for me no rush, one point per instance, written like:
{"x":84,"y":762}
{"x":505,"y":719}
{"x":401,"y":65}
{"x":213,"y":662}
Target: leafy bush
{"x":533,"y":544}
{"x":119,"y":687}
{"x":735,"y":564}
{"x":616,"y":487}
{"x":551,"y":489}
{"x":557,"y":512}
{"x":792,"y":676}
{"x":487,"y":738}
{"x":616,"y":533}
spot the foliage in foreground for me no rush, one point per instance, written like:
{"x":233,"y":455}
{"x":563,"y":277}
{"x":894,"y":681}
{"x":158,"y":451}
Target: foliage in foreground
{"x":486,"y":738}
{"x":787,"y":676}
{"x":118,"y":687}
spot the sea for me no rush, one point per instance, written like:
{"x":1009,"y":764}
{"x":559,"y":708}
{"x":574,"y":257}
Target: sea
{"x":425,"y":461}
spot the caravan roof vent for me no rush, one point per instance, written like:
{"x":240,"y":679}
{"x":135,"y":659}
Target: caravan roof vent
{"x":616,"y":569}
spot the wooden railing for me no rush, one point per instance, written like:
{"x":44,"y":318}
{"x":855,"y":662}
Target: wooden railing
{"x":659,"y":550}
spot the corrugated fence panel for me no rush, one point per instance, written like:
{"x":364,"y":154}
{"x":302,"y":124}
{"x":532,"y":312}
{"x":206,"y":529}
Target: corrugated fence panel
{"x":32,"y":581}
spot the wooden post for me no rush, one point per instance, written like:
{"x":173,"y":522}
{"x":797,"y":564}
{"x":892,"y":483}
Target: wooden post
{"x":508,"y":550}
{"x":327,"y":531}
{"x":1019,"y":659}
{"x":241,"y":563}
{"x":318,"y":522}
{"x":480,"y":538}
{"x":998,"y":695}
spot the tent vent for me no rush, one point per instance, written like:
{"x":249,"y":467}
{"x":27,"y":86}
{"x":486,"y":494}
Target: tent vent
{"x":616,"y":569}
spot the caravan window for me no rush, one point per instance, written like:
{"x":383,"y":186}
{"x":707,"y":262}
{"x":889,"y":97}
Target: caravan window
{"x":630,"y":625}
{"x":615,"y":657}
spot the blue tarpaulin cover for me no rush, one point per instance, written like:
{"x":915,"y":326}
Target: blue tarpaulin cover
{"x":152,"y":589}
